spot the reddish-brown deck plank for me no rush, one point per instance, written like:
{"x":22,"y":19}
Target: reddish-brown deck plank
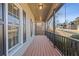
{"x":41,"y":46}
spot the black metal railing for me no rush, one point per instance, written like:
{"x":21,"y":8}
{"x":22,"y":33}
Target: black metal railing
{"x":68,"y":46}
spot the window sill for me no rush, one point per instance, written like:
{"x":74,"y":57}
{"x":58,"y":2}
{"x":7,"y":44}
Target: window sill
{"x":13,"y":50}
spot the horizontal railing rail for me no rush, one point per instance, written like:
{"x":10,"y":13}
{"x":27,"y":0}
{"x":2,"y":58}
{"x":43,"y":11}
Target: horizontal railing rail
{"x":67,"y":45}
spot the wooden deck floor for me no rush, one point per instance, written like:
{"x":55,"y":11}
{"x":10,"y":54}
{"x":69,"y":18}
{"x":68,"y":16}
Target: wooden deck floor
{"x":41,"y":46}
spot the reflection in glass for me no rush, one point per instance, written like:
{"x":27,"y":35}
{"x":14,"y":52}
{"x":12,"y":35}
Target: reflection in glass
{"x":13,"y":35}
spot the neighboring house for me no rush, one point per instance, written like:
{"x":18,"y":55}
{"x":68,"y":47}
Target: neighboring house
{"x":59,"y":25}
{"x":64,"y":25}
{"x":72,"y":26}
{"x":77,"y":22}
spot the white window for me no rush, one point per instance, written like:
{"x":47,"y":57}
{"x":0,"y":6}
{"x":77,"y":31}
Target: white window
{"x":13,"y":25}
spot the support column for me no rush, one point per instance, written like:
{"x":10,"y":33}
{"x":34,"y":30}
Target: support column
{"x":21,"y":26}
{"x":46,"y":27}
{"x":54,"y":27}
{"x":35,"y":27}
{"x":6,"y":27}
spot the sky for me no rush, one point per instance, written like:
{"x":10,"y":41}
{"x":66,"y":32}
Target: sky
{"x":72,"y":12}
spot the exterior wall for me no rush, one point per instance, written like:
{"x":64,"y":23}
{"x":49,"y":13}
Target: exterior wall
{"x":29,"y":16}
{"x":72,"y":27}
{"x":19,"y":50}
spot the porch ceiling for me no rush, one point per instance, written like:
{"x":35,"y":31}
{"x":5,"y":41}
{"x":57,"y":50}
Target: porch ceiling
{"x":44,"y":13}
{"x":40,"y":15}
